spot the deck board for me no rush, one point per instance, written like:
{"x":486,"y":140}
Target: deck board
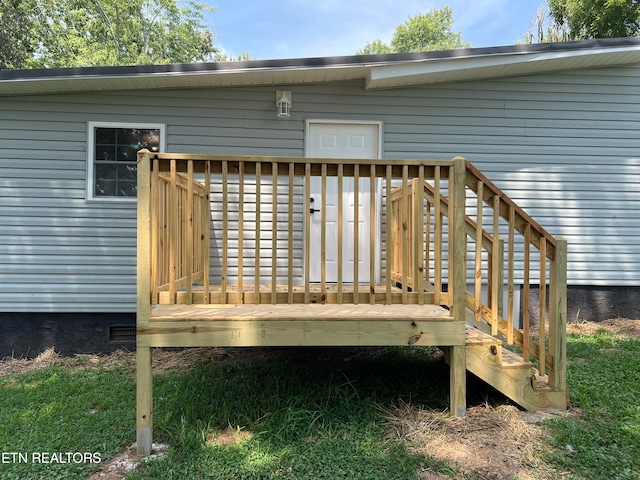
{"x":299,"y":312}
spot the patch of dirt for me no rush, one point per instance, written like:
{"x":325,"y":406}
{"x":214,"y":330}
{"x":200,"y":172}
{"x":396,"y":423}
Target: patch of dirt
{"x":228,"y":436}
{"x":493,"y":443}
{"x":622,"y":327}
{"x":163,"y":360}
{"x":117,"y":468}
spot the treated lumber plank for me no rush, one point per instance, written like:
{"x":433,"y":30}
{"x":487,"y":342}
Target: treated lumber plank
{"x":274,"y":226}
{"x":316,"y":163}
{"x":458,"y":381}
{"x":241,"y":181}
{"x":475,"y":336}
{"x":388,"y":235}
{"x":404,"y":242}
{"x":290,"y":234}
{"x":356,"y":227}
{"x":340,"y":232}
{"x":327,"y":313}
{"x":372,"y":235}
{"x":558,"y":330}
{"x":307,"y":332}
{"x":437,"y":240}
{"x":258,"y":227}
{"x":144,"y":400}
{"x":206,"y":216}
{"x":143,"y":241}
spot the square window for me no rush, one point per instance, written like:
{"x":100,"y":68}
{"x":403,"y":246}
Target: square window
{"x":113,"y":157}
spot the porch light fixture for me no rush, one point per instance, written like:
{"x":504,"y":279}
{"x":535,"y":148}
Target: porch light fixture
{"x":283,"y":103}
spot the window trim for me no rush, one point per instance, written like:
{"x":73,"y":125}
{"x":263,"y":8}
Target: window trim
{"x":91,"y":150}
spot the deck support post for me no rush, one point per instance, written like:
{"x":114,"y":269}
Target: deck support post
{"x":144,"y":401}
{"x":144,"y":374}
{"x":458,"y":381}
{"x":458,"y":278}
{"x":558,"y":317}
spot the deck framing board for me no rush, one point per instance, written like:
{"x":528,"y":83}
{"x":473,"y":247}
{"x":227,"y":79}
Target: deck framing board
{"x":299,"y":325}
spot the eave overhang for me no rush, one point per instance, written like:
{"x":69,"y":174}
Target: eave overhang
{"x":375,"y":71}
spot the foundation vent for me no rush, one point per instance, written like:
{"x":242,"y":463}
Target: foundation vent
{"x":122,"y":333}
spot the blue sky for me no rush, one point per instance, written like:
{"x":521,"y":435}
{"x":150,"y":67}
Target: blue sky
{"x":301,"y":28}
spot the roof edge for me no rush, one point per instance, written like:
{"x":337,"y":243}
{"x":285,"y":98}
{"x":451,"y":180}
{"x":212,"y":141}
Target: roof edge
{"x":313,"y":62}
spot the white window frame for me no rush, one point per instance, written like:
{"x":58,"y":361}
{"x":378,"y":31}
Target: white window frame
{"x":91,"y":150}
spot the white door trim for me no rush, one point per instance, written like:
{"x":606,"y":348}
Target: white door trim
{"x":378,"y":219}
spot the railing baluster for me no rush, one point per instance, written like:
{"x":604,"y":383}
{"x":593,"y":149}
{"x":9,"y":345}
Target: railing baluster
{"x":163,"y":238}
{"x":557,"y":375}
{"x":290,"y":233}
{"x":427,"y":244}
{"x":189,"y":233}
{"x":437,"y":274}
{"x":419,"y":241}
{"x":543,"y":307}
{"x":451,"y":240}
{"x":323,"y":235}
{"x":340,"y":297}
{"x":356,"y":236}
{"x":478,"y":259}
{"x":501,"y":277}
{"x":207,"y":232}
{"x":225,"y":231}
{"x":510,"y":280}
{"x":404,"y":244}
{"x":173,"y":231}
{"x":372,"y":235}
{"x":274,"y":233}
{"x":256,"y":281}
{"x":388,"y":234}
{"x":155,"y":246}
{"x":307,"y":233}
{"x":526,"y":292}
{"x":241,"y":232}
{"x":496,"y":268}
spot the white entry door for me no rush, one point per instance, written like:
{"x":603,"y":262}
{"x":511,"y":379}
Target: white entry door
{"x":343,"y":140}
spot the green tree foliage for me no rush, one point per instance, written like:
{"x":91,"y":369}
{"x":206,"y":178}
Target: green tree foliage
{"x":82,"y":33}
{"x":421,"y":33}
{"x":15,"y":24}
{"x":586,"y":19}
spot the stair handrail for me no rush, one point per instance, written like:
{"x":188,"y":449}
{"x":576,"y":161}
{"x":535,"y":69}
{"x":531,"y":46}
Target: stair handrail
{"x":549,"y":351}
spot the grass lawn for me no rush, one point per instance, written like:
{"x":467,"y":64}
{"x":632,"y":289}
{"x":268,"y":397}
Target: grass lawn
{"x":312,"y":413}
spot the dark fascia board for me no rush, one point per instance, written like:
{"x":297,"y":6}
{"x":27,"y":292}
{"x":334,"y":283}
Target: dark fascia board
{"x":316,"y":62}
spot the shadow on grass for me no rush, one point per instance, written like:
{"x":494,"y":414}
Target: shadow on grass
{"x":303,"y":413}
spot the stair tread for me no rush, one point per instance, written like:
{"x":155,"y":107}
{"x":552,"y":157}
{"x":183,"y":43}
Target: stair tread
{"x":478,"y":337}
{"x":513,"y":360}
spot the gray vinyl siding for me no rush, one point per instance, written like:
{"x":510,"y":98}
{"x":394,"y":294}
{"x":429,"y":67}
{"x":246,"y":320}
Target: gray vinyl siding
{"x":565,"y":146}
{"x":266,"y":230}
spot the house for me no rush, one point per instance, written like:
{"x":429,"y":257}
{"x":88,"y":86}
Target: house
{"x":555,"y":126}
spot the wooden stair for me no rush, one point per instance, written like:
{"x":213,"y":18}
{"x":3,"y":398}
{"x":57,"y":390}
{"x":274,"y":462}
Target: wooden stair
{"x":509,"y":373}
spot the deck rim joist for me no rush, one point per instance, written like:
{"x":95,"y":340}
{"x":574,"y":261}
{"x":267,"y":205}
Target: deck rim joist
{"x":299,"y":325}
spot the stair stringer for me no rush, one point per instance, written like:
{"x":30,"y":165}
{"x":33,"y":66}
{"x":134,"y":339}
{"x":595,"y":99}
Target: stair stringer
{"x":515,"y":383}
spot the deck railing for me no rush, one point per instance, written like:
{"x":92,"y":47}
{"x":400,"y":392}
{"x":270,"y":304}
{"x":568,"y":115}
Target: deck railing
{"x":179,"y":232}
{"x":260,"y":227}
{"x":541,"y":257}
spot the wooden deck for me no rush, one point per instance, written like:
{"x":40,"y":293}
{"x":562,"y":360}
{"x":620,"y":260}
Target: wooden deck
{"x":300,"y":325}
{"x":222,"y":271}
